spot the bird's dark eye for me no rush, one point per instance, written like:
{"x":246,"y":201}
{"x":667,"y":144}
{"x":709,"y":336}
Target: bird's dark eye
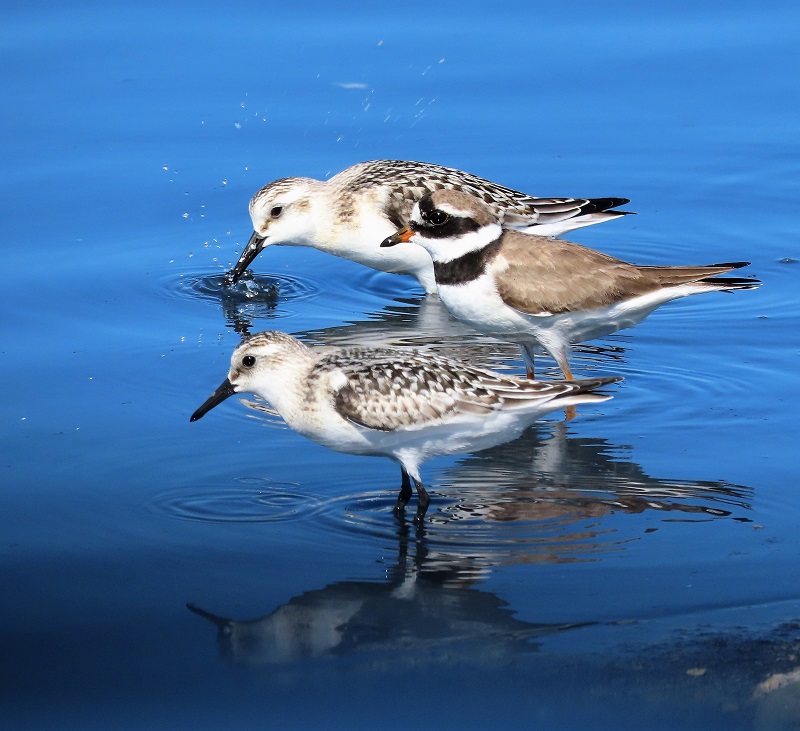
{"x":438,"y":218}
{"x":276,"y":211}
{"x":249,"y":361}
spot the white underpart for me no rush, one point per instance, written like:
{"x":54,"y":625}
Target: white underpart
{"x":282,"y":379}
{"x":358,"y":239}
{"x":316,"y":418}
{"x":478,"y":303}
{"x":363,"y":244}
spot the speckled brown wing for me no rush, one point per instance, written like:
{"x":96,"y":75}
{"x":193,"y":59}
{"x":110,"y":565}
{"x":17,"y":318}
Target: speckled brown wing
{"x":390,"y":390}
{"x":387,"y":390}
{"x":409,"y":181}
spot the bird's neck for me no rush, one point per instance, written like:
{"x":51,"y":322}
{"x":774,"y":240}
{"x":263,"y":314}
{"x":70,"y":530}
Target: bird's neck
{"x":285,"y":389}
{"x":468,"y":266}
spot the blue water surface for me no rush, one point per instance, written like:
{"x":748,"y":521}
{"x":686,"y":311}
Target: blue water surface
{"x":635,"y":567}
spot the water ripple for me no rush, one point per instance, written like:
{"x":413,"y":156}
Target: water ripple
{"x":254,"y":296}
{"x":463,"y":535}
{"x":247,"y":500}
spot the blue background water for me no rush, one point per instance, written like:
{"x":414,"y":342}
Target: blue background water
{"x":637,"y":565}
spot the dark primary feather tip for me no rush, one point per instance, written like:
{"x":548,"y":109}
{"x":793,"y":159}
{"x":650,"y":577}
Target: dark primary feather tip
{"x":732,"y":264}
{"x":599,"y":205}
{"x":733,"y":282}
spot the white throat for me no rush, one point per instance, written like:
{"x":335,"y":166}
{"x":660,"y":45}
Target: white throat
{"x":444,"y":250}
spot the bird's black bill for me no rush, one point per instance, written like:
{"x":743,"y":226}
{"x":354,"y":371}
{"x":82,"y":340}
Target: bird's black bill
{"x":224,"y":391}
{"x":403,"y":235}
{"x":251,"y":251}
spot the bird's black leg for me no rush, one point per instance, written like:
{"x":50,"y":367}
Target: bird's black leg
{"x":405,"y":493}
{"x":423,"y":501}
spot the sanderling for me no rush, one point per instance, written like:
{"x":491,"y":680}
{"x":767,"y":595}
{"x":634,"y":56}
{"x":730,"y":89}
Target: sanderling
{"x":533,"y":289}
{"x":350,"y":214}
{"x":405,"y":405}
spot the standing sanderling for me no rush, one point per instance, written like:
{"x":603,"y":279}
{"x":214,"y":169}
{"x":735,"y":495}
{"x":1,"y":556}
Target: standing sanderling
{"x":350,"y":214}
{"x":533,"y":289}
{"x":404,"y":405}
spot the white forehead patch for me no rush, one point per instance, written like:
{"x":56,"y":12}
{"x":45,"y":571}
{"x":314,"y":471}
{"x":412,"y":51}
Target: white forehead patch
{"x":457,"y":212}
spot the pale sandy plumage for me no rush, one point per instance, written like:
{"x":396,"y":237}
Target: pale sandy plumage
{"x":350,"y":214}
{"x":405,"y":405}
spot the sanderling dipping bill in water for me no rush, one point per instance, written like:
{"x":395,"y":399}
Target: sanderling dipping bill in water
{"x":350,"y":214}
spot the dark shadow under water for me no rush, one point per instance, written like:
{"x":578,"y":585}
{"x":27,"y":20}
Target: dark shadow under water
{"x":420,"y":608}
{"x":421,"y":623}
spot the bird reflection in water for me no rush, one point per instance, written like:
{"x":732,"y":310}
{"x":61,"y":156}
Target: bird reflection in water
{"x":546,"y":475}
{"x":416,"y":322}
{"x":423,"y":611}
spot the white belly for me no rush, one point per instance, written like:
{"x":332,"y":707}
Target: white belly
{"x":478,"y":304}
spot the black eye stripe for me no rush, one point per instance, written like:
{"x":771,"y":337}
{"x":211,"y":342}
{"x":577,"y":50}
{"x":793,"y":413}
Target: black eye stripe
{"x":454,"y":227}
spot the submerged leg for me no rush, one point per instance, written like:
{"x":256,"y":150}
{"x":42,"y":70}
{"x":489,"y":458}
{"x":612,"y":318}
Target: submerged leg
{"x":405,"y":493}
{"x":423,"y":501}
{"x":557,"y":348}
{"x":562,"y":358}
{"x":411,"y":473}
